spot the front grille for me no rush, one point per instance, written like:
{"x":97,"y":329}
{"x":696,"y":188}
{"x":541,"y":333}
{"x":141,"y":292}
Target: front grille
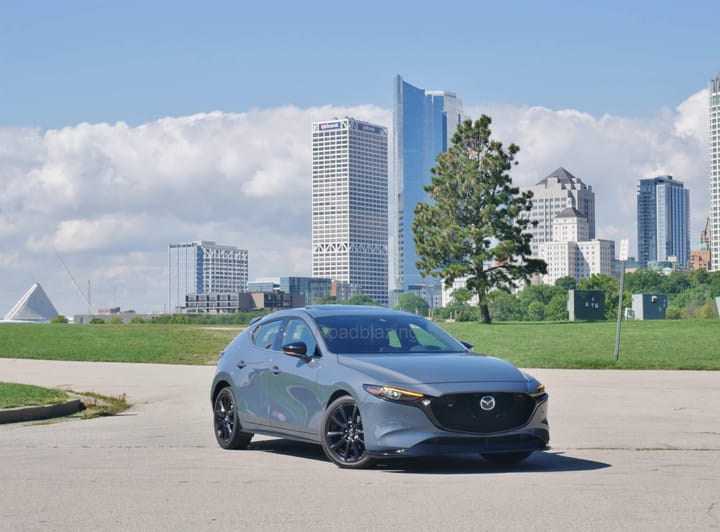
{"x":462,"y":412}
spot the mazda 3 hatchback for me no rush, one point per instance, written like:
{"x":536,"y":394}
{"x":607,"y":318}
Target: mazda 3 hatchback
{"x":368,"y":383}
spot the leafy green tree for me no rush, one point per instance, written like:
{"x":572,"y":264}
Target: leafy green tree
{"x":644,"y":281}
{"x":542,"y":293}
{"x":360,"y":299}
{"x":475,"y":217}
{"x":59,"y":319}
{"x":504,"y":306}
{"x":566,"y":283}
{"x":410,"y":302}
{"x":461,"y":296}
{"x":535,"y":311}
{"x":556,"y":309}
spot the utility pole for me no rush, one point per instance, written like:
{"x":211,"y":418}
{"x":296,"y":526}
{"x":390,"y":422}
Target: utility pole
{"x":624,"y":244}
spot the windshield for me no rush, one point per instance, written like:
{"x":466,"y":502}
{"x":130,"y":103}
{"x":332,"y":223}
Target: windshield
{"x":353,"y":334}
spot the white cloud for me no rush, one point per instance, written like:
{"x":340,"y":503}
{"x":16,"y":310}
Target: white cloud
{"x":111,"y":197}
{"x":612,"y":154}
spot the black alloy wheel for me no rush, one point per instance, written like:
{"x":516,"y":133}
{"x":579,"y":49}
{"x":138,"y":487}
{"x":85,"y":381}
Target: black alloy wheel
{"x":343,"y":435}
{"x":227,"y":427}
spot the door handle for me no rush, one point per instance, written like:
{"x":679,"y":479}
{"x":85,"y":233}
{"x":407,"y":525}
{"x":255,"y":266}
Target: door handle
{"x":276,"y":370}
{"x":241,"y":364}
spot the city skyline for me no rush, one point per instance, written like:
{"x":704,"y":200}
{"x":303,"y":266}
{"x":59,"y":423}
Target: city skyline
{"x":118,"y":138}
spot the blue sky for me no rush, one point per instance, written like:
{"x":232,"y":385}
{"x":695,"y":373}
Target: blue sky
{"x":129,"y":125}
{"x":103,"y":61}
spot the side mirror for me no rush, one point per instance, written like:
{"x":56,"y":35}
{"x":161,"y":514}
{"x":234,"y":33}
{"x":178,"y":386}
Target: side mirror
{"x":469,"y":346}
{"x":296,"y":349}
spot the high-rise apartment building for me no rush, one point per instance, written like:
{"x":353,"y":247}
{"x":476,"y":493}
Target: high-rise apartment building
{"x":423,"y":125}
{"x":570,"y":251}
{"x":350,"y":205}
{"x":203,"y":267}
{"x":556,"y":192}
{"x":663,"y":221}
{"x":715,"y":174}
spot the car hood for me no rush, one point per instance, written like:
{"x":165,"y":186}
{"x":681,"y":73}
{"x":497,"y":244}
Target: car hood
{"x":433,"y":368}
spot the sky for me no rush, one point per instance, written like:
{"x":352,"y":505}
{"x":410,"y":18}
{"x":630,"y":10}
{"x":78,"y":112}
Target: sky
{"x":128,"y":125}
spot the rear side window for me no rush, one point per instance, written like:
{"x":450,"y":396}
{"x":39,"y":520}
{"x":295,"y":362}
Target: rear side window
{"x":265,"y":335}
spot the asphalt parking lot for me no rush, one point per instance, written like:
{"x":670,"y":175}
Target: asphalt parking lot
{"x":631,"y":450}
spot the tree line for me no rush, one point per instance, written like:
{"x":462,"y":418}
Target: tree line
{"x":690,"y":295}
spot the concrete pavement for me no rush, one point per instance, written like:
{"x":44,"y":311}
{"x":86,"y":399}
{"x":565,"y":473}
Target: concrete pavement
{"x":631,"y":450}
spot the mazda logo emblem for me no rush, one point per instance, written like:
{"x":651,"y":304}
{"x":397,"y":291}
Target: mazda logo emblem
{"x":487,"y":402}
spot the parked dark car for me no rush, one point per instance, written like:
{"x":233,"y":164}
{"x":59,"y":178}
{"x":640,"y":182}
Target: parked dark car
{"x":369,"y":383}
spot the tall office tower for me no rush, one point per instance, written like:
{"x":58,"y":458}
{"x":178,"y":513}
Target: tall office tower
{"x":558,"y":191}
{"x":349,"y":205}
{"x":203,"y":267}
{"x":663,"y":221}
{"x":423,"y":125}
{"x":715,"y":174}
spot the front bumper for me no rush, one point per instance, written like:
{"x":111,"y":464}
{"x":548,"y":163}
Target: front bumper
{"x":401,"y":429}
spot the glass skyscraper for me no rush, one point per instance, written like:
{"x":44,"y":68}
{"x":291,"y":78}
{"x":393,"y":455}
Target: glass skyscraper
{"x":423,"y":125}
{"x":204,"y":267}
{"x":663,"y":220}
{"x":350,"y":205}
{"x":715,"y":174}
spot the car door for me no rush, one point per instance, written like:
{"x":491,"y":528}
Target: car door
{"x":252,"y":373}
{"x":294,"y":405}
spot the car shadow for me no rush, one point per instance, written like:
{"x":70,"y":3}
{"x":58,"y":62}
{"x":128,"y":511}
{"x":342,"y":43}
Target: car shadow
{"x":538,"y":462}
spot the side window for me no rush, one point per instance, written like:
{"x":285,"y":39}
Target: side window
{"x":264,"y":335}
{"x":298,"y":331}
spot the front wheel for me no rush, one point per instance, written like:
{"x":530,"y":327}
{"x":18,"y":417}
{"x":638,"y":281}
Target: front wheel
{"x":343,"y":439}
{"x":226,"y":424}
{"x":506,"y":458}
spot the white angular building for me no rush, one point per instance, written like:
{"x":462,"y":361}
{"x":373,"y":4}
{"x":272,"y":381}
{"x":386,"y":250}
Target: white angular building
{"x":554,"y":193}
{"x":33,"y":307}
{"x":350,"y":205}
{"x":571,"y":252}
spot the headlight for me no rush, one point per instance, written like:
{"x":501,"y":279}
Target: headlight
{"x":534,"y":387}
{"x":393,"y":394}
{"x":539,"y":390}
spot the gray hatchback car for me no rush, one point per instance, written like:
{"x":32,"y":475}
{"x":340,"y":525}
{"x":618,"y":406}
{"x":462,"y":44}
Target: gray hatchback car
{"x":369,"y":383}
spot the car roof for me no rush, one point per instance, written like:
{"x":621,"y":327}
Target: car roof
{"x":319,"y":311}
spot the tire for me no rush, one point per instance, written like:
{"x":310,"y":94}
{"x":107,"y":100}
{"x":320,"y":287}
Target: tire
{"x":506,"y":458}
{"x":343,"y":438}
{"x":226,"y":424}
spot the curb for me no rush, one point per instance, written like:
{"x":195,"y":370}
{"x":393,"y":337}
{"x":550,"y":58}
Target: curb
{"x":34,"y":413}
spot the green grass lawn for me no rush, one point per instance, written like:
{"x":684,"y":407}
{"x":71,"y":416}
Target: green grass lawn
{"x":661,"y":344}
{"x":13,"y":395}
{"x":165,"y":344}
{"x":666,"y":344}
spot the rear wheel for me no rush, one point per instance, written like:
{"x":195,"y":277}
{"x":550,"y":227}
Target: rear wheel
{"x":506,"y":458}
{"x":343,"y":438}
{"x":227,"y":426}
